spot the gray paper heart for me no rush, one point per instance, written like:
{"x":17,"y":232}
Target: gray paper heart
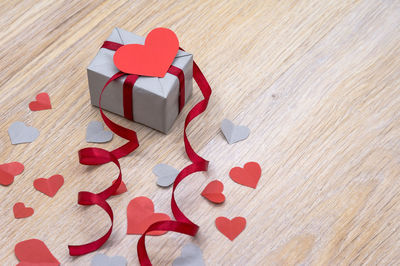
{"x":103,"y":260}
{"x":95,"y":133}
{"x":234,"y":133}
{"x":166,"y":174}
{"x":191,"y":255}
{"x":20,"y":133}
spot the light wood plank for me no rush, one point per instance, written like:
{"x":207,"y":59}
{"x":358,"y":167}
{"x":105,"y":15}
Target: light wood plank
{"x":316,"y":81}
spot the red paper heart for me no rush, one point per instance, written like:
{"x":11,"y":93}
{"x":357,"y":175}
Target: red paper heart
{"x":20,"y":211}
{"x":49,"y":186}
{"x":230,"y":228}
{"x":151,"y":59}
{"x":121,"y":189}
{"x":213,"y":192}
{"x":248,"y":175}
{"x":8,"y":171}
{"x":141,"y":214}
{"x":42,"y":102}
{"x":34,"y":252}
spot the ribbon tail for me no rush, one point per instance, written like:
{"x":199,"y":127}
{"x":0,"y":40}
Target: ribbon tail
{"x":182,"y":224}
{"x":88,"y":198}
{"x":97,"y":156}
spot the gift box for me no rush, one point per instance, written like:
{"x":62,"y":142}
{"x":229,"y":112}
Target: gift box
{"x":155,"y":100}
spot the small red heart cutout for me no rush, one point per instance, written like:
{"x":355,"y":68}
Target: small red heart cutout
{"x":42,"y":102}
{"x":230,"y":228}
{"x":248,"y":176}
{"x":34,"y":252}
{"x":151,"y":59}
{"x":141,"y":215}
{"x":213,"y":192}
{"x":20,"y":211}
{"x":8,"y":171}
{"x":121,"y":189}
{"x":49,"y":186}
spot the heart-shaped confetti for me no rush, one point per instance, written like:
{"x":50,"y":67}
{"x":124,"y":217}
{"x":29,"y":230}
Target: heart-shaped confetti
{"x":248,"y":176}
{"x":104,"y":260}
{"x":49,"y":186}
{"x":20,"y":211}
{"x":213,"y":192}
{"x":8,"y":171}
{"x":230,"y":228}
{"x":234,"y":133}
{"x":42,"y":102}
{"x":121,"y":189}
{"x":95,"y":133}
{"x":166,"y":174}
{"x":20,"y":133}
{"x":151,"y":59}
{"x":34,"y":252}
{"x":141,"y":214}
{"x":191,"y":255}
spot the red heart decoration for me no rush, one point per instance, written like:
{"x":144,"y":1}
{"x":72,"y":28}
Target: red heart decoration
{"x":33,"y":252}
{"x":20,"y":211}
{"x":49,"y":186}
{"x":121,"y":189}
{"x":230,"y":228}
{"x":8,"y":171}
{"x":151,"y":59}
{"x":42,"y":102}
{"x":248,"y":175}
{"x":213,"y":192}
{"x":141,"y":214}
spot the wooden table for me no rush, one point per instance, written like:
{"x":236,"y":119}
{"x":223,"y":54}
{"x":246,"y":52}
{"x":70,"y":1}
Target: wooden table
{"x":317,"y":82}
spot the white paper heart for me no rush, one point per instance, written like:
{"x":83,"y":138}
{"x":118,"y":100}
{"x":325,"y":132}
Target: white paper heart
{"x":20,"y":133}
{"x":166,"y":174}
{"x":95,"y":133}
{"x":103,"y":260}
{"x":191,"y":255}
{"x":234,"y":133}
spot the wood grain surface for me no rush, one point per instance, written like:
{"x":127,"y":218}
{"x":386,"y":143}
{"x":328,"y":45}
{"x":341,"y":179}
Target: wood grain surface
{"x":317,"y":82}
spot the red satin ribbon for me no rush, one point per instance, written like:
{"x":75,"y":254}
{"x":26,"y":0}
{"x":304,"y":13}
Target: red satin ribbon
{"x":182,"y":224}
{"x":127,"y":95}
{"x":181,"y":77}
{"x":98,"y":156}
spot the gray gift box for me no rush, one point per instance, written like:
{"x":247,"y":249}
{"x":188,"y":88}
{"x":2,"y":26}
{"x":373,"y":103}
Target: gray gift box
{"x":155,"y":100}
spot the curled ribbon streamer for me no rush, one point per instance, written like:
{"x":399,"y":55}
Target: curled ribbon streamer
{"x":182,"y":224}
{"x":98,"y":156}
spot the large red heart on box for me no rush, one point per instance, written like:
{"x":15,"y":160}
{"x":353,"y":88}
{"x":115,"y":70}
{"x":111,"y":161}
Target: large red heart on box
{"x":151,"y":59}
